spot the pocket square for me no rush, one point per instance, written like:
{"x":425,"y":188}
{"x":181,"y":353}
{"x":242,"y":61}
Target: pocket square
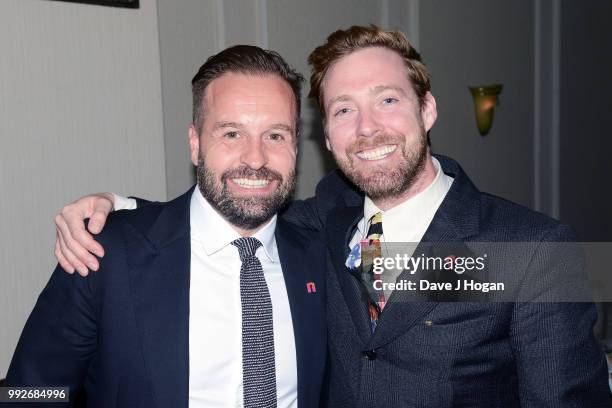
{"x":353,"y":261}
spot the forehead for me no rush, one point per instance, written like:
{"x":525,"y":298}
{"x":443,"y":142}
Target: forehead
{"x":233,"y":90}
{"x":365,"y":70}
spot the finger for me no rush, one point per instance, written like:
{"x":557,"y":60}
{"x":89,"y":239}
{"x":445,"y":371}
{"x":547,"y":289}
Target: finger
{"x":60,"y":257}
{"x":75,"y":248}
{"x":84,"y":245}
{"x":83,"y":255}
{"x":78,"y":240}
{"x":102,"y":208}
{"x":71,"y":258}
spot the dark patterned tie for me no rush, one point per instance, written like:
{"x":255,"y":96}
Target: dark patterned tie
{"x":371,"y":250}
{"x":258,"y":369}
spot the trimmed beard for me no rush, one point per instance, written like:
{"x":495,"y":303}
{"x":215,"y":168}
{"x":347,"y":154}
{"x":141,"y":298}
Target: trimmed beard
{"x":244,"y":212}
{"x":383,"y":183}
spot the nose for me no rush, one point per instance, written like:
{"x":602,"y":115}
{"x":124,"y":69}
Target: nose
{"x":368,"y":125}
{"x":254,"y":153}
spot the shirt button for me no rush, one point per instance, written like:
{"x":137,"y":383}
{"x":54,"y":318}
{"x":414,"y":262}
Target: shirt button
{"x":370,"y":354}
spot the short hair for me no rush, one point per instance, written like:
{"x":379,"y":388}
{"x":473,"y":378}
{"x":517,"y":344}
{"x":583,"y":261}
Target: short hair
{"x":244,"y":59}
{"x":344,"y":42}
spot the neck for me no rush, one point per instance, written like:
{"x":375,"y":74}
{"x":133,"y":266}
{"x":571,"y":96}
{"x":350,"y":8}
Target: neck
{"x":247,"y":232}
{"x":423,"y":180}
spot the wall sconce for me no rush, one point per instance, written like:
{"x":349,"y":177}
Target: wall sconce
{"x":485,"y":100}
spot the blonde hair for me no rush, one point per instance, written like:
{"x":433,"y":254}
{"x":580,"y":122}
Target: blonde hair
{"x":344,"y":42}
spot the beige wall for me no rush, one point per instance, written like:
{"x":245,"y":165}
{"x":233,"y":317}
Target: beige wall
{"x":80,"y":110}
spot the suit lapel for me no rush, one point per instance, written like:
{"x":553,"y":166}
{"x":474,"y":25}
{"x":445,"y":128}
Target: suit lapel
{"x":304,"y":280}
{"x":457,"y":219}
{"x":340,"y":228}
{"x":403,"y":311}
{"x":159,"y":279}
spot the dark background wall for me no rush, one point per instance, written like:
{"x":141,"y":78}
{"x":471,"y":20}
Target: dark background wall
{"x":476,"y":42}
{"x":586,"y":118}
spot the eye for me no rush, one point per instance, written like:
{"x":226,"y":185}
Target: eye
{"x":389,"y":101}
{"x":231,"y":135}
{"x":276,"y":137}
{"x":342,"y":111}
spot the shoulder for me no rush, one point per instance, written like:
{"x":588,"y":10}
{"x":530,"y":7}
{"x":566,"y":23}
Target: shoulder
{"x":519,"y":223}
{"x":137,"y":221}
{"x":155,"y":220}
{"x":298,"y":234}
{"x":335,"y":190}
{"x":491,"y":218}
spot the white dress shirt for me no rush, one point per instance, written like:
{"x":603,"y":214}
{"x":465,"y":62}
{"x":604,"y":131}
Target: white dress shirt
{"x":408,"y":221}
{"x":215,"y":318}
{"x":215,"y":315}
{"x":405,"y":223}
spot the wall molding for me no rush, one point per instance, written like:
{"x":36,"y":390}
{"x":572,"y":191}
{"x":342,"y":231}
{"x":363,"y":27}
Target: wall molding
{"x":546,"y":121}
{"x":414,"y":28}
{"x":556,"y":108}
{"x":384,"y":14}
{"x":261,"y":23}
{"x":221,"y":43}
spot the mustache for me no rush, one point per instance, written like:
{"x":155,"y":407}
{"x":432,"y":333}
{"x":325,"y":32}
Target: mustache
{"x":263,"y":173}
{"x":379,"y":140}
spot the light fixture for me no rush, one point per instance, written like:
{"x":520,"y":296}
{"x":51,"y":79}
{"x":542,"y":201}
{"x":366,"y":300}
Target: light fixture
{"x":485,"y":100}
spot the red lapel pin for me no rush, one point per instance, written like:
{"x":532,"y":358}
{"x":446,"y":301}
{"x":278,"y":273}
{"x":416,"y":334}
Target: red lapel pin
{"x":311,"y":288}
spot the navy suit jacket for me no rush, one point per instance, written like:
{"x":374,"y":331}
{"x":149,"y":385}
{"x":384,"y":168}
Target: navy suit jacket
{"x":122,"y":333}
{"x":433,"y":354}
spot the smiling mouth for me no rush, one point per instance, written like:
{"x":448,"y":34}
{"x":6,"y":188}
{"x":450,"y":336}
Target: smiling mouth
{"x":376,"y":153}
{"x":251,"y":183}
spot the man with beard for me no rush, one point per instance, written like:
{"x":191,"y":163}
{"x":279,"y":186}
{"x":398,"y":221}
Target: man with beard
{"x":387,"y":350}
{"x":204,"y":301}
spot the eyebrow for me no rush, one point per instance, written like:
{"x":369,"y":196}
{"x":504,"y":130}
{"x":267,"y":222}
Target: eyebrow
{"x":376,"y":90}
{"x":340,"y":98}
{"x":381,"y":88}
{"x":282,"y":126}
{"x":278,"y":126}
{"x":222,"y":125}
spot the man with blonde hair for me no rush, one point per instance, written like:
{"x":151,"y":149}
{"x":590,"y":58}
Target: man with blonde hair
{"x":387,"y":350}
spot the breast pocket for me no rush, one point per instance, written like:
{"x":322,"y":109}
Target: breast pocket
{"x":452,"y":324}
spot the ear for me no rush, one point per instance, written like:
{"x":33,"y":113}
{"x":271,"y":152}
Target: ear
{"x":194,"y":144}
{"x":429,"y":111}
{"x":327,"y":144}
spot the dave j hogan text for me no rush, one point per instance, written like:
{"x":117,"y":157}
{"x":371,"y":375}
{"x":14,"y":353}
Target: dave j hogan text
{"x":425,"y":285}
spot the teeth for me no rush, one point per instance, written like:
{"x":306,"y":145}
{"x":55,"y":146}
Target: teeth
{"x":249,"y":183}
{"x":377,"y":154}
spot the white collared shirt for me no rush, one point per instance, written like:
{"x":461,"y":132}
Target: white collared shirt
{"x":408,"y":221}
{"x":215,"y":317}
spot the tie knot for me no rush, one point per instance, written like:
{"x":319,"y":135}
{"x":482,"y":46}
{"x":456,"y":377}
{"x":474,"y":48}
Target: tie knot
{"x":375,"y":230}
{"x":376,"y":218}
{"x":247,"y":247}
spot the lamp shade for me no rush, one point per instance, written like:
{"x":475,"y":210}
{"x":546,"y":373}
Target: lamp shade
{"x":485,"y":100}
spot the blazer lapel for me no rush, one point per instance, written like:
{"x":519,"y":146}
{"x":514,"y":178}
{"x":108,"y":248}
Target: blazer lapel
{"x":340,"y":228}
{"x":403,"y":310}
{"x":456,"y":220}
{"x":305,"y":283}
{"x":159,"y":279}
